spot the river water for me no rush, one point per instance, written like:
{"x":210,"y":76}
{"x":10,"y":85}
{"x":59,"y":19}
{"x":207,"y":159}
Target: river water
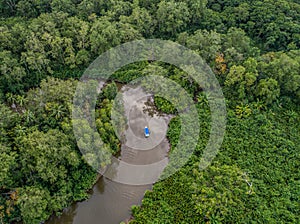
{"x":110,"y":202}
{"x":111,"y":198}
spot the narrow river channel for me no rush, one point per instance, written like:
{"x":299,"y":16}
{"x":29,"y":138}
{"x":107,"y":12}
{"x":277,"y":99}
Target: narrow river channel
{"x":110,"y":200}
{"x":109,"y":203}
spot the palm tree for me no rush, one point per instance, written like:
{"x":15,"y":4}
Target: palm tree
{"x":29,"y":116}
{"x":20,"y":130}
{"x":20,"y":100}
{"x":57,"y":111}
{"x":291,"y":115}
{"x":11,"y":98}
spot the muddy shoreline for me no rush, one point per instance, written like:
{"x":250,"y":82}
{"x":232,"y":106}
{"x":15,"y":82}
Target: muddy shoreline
{"x":111,"y":199}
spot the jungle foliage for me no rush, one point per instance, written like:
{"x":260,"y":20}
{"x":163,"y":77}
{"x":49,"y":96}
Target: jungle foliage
{"x":251,"y":46}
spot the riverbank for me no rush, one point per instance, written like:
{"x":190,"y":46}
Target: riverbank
{"x":110,"y":201}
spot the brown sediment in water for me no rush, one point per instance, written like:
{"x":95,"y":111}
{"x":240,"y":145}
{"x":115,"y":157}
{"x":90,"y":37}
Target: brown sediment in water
{"x":110,"y":202}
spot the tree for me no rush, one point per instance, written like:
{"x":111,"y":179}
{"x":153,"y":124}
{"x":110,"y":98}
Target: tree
{"x":172,"y":17}
{"x":237,"y":45}
{"x":197,"y":10}
{"x":268,"y":90}
{"x":78,"y":31}
{"x":128,"y":33}
{"x":8,"y":120}
{"x":95,"y":152}
{"x":110,"y":116}
{"x":56,"y":111}
{"x":236,"y":15}
{"x":46,"y":156}
{"x":36,"y":57}
{"x":106,"y":34}
{"x":242,"y":78}
{"x":284,"y":69}
{"x":45,"y":44}
{"x":11,"y":98}
{"x":110,"y":91}
{"x":67,"y":6}
{"x":34,"y":204}
{"x":6,"y":38}
{"x":118,"y":9}
{"x":141,"y":20}
{"x":206,"y":43}
{"x":54,"y":98}
{"x":29,"y":117}
{"x":218,"y":190}
{"x":274,"y":32}
{"x":8,"y":163}
{"x":7,"y":8}
{"x":33,"y":8}
{"x":11,"y":73}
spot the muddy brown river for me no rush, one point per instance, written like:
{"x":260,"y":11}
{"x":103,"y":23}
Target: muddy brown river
{"x":110,"y":202}
{"x":112,"y":197}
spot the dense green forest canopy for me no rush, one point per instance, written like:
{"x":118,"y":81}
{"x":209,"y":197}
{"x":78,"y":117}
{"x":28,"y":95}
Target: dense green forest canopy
{"x":253,"y":48}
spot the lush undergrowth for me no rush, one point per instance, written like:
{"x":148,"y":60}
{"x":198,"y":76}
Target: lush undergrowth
{"x":253,"y":179}
{"x":251,"y":46}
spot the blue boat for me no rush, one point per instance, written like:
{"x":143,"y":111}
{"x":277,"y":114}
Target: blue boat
{"x":146,"y":132}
